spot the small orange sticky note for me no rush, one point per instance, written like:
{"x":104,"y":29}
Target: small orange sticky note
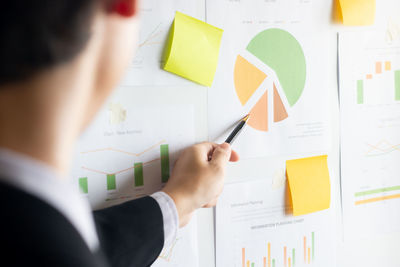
{"x":357,"y":12}
{"x":309,"y":184}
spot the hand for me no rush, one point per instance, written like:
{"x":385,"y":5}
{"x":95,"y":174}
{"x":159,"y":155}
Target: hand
{"x":198,"y":178}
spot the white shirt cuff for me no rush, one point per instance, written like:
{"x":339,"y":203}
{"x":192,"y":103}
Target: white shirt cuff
{"x":170,"y":216}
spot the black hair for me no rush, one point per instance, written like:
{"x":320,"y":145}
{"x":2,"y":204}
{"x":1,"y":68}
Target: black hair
{"x":39,"y":34}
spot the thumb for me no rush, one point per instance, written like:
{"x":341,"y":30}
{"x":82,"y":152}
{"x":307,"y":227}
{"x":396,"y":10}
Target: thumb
{"x":221,"y":155}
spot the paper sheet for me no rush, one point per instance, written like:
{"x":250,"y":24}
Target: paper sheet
{"x":309,"y":184}
{"x":156,"y":18}
{"x":253,"y":227}
{"x":119,"y":160}
{"x":183,"y":251}
{"x":370,"y":133}
{"x":193,"y":49}
{"x":272,"y":65}
{"x":357,"y":12}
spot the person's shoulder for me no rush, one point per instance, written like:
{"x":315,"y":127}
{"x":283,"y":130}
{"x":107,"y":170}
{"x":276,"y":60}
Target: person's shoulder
{"x":35,"y":232}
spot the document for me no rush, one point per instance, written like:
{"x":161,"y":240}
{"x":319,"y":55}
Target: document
{"x":156,"y":17}
{"x":369,"y":67}
{"x":128,"y":152}
{"x":254,"y":227}
{"x":273,"y":66}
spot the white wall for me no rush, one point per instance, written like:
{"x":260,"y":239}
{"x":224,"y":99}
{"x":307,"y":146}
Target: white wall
{"x":376,"y":251}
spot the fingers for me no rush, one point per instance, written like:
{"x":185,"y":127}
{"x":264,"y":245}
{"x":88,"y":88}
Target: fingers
{"x":206,"y":146}
{"x":208,"y":149}
{"x":221,"y":155}
{"x":205,"y":150}
{"x":234,"y":156}
{"x":211,"y":204}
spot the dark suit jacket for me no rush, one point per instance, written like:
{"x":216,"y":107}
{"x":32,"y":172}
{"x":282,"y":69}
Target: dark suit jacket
{"x":33,"y":233}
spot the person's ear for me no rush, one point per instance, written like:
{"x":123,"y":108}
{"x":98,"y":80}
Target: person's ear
{"x":124,"y":8}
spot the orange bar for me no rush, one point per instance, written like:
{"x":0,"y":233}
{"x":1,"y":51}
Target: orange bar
{"x":265,"y":261}
{"x":290,"y":262}
{"x":369,"y":76}
{"x":378,"y":67}
{"x":269,"y":254}
{"x":248,"y":263}
{"x":309,"y":255}
{"x":284,"y":256}
{"x":243,"y":257}
{"x":305,"y":249}
{"x":376,"y":199}
{"x":388,"y":65}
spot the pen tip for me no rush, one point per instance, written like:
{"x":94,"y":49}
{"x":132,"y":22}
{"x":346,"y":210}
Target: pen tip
{"x":246,"y":118}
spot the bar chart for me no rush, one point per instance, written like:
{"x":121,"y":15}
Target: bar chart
{"x":117,"y":162}
{"x":137,"y":169}
{"x":377,"y":194}
{"x":369,"y":70}
{"x":284,"y":256}
{"x":380,"y":86}
{"x":254,"y":229}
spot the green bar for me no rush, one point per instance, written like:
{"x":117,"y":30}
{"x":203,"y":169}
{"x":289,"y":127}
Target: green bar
{"x":111,"y":182}
{"x":83,"y":184}
{"x":397,"y":84}
{"x":164,"y":151}
{"x":312,"y":246}
{"x":360,"y":92}
{"x":139,"y":174}
{"x":273,"y":262}
{"x":375,"y":191}
{"x":252,"y":264}
{"x":293,"y":257}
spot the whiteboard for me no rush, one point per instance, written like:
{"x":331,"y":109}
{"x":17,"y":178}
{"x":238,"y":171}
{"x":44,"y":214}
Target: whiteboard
{"x":354,"y":253}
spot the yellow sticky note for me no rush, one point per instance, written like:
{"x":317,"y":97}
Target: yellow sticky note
{"x":358,"y":12}
{"x":309,"y":184}
{"x":193,"y":49}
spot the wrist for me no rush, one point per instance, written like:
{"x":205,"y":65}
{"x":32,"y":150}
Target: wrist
{"x":183,"y":206}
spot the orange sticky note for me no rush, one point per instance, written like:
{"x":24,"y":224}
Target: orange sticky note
{"x":309,"y":184}
{"x":358,"y":12}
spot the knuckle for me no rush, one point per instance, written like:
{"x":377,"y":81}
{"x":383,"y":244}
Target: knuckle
{"x":198,"y":145}
{"x":219,"y":169}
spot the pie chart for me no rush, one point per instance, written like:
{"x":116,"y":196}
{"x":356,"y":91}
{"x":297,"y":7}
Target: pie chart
{"x":280,"y":51}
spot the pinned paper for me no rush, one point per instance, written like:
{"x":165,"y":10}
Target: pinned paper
{"x":309,"y":184}
{"x":357,"y":12}
{"x":193,"y":49}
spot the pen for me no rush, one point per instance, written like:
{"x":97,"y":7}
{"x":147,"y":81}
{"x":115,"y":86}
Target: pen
{"x":237,"y":130}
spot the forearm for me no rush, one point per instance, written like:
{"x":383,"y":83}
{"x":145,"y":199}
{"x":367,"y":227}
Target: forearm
{"x":131,"y":234}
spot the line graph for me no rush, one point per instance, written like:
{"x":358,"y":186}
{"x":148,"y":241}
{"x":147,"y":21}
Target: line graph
{"x":136,"y":169}
{"x":116,"y":163}
{"x":166,"y":253}
{"x":381,"y":148}
{"x":382,"y":85}
{"x":120,"y":171}
{"x":125,"y":152}
{"x":152,"y":36}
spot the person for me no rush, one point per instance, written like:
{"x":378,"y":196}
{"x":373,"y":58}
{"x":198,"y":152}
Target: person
{"x":60,"y":60}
